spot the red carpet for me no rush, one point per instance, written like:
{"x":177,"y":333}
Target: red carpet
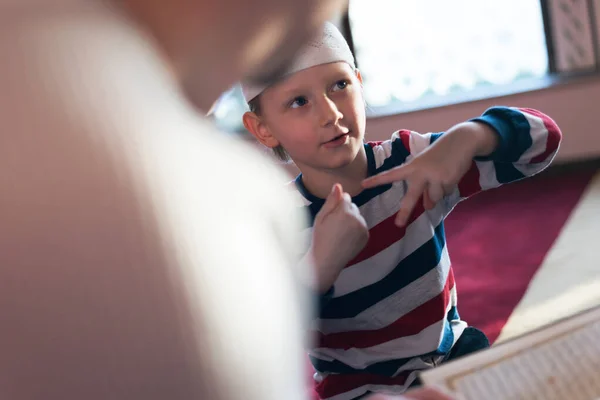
{"x":498,"y":239}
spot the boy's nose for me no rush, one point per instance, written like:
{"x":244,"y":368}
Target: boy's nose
{"x":330,"y":114}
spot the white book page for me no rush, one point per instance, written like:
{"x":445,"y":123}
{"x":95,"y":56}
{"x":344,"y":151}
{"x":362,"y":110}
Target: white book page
{"x":558,"y":362}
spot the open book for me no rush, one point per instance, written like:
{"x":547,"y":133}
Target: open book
{"x":559,"y":361}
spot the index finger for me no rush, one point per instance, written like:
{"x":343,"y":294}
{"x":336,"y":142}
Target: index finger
{"x":407,"y":204}
{"x":393,"y":175}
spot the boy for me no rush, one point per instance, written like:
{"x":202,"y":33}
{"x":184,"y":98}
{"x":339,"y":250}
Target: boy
{"x":390,"y":310}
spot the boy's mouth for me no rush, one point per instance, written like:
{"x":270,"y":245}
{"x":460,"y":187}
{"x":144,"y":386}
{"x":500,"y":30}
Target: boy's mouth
{"x":338,"y":140}
{"x":337,"y":137}
{"x":342,"y":133}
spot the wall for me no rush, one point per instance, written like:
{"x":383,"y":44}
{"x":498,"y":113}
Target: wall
{"x":575,"y":106}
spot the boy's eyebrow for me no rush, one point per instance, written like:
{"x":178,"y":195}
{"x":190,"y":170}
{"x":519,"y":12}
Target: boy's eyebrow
{"x":338,"y":74}
{"x":295,"y":90}
{"x":327,"y":79}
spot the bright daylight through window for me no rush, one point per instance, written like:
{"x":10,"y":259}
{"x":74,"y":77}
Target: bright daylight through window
{"x":407,"y":49}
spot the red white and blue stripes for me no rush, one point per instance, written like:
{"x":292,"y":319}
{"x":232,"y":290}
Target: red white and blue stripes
{"x":394,"y":307}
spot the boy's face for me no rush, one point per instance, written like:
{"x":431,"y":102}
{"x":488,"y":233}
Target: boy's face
{"x":317,"y":115}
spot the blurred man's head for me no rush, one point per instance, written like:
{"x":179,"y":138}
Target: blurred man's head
{"x":213,"y":43}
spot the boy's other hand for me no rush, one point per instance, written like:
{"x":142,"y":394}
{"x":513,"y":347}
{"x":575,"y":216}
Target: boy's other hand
{"x":339,"y":234}
{"x":436,"y":171}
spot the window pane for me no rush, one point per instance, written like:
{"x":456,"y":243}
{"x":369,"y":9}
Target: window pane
{"x":407,"y":49}
{"x":229,"y":109}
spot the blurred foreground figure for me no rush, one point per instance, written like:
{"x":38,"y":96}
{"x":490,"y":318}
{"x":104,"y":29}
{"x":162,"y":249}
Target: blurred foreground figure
{"x":136,"y":259}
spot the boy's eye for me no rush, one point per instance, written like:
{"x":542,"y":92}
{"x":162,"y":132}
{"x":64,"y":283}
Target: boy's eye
{"x":340,"y":85}
{"x":298,"y":102}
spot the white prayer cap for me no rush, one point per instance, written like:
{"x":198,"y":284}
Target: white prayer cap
{"x":328,"y":47}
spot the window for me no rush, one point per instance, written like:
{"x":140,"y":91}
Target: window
{"x":408,"y":49}
{"x":411,"y":50}
{"x":229,"y":109}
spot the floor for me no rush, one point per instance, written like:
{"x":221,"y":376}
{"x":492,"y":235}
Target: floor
{"x":524,"y":255}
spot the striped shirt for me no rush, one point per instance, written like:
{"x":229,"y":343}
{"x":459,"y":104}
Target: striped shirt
{"x":393,"y":309}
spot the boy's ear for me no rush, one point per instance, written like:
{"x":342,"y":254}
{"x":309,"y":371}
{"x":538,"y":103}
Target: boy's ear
{"x":358,"y":75}
{"x":255,"y":125}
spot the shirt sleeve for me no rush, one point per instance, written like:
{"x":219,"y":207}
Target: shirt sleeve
{"x":528,"y":142}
